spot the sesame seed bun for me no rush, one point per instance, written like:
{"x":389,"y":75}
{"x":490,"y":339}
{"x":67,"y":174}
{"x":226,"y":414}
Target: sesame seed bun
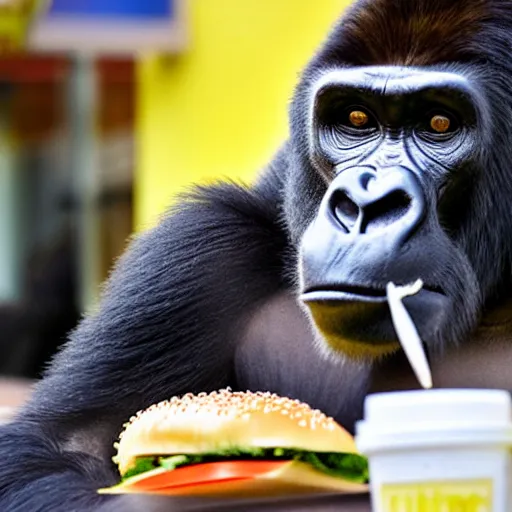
{"x":206,"y":423}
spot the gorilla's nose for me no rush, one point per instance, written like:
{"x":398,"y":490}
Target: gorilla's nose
{"x":362,"y":200}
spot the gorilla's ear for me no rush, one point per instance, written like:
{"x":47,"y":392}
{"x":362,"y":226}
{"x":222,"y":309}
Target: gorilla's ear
{"x":413,"y":33}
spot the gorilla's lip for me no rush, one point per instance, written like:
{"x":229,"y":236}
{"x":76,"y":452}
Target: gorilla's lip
{"x":357,"y":321}
{"x":355,"y":293}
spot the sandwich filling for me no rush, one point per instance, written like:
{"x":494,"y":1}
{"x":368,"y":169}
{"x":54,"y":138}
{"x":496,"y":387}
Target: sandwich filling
{"x":348,"y":466}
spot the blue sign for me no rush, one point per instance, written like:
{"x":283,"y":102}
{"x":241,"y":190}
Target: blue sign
{"x":119,"y":9}
{"x":112,"y":26}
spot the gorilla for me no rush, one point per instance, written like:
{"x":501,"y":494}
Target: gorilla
{"x":398,"y":166}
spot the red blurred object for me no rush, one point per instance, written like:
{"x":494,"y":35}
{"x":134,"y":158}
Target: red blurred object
{"x":31,"y":68}
{"x":38,"y":84}
{"x":23,"y":69}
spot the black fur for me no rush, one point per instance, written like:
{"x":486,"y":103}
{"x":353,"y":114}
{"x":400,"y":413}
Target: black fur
{"x":179,"y":301}
{"x":165,"y":326}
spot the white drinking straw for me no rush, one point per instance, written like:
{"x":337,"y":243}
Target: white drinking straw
{"x":406,"y":331}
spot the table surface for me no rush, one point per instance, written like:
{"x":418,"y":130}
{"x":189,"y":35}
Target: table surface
{"x":317,"y":503}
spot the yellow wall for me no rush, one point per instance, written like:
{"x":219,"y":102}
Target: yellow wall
{"x":221,"y":108}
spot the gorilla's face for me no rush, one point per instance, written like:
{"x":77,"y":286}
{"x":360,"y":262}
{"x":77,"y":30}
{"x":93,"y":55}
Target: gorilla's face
{"x":397,"y":151}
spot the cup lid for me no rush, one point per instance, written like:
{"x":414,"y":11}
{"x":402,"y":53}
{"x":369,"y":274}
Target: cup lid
{"x":467,"y":406}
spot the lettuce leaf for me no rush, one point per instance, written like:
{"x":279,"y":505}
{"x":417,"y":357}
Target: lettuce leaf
{"x":142,"y":465}
{"x":349,"y":466}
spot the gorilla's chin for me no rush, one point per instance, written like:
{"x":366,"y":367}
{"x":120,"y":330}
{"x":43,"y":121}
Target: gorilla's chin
{"x":360,"y":326}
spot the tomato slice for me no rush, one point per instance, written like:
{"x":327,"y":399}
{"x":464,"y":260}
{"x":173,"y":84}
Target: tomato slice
{"x":198,"y":474}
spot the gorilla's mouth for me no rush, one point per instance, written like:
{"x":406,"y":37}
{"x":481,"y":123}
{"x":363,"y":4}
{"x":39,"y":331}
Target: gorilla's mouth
{"x":356,"y":320}
{"x":344,"y":293}
{"x":355,"y":293}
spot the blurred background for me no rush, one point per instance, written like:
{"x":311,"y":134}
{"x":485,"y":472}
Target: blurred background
{"x":108,"y":108}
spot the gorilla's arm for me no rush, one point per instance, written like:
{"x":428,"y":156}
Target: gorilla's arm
{"x":168,"y":321}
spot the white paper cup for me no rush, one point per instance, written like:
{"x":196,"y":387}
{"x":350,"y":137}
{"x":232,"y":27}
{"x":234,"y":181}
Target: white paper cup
{"x":438,"y":450}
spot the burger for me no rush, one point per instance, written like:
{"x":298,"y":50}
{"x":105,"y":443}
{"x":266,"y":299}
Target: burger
{"x":237,"y":443}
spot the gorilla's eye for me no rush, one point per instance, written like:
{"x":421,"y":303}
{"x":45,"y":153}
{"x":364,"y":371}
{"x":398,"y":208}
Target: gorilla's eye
{"x":440,"y":123}
{"x":358,"y":118}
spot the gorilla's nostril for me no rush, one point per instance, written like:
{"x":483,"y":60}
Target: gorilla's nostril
{"x":345,"y":210}
{"x":365,"y":179}
{"x":385,"y":211}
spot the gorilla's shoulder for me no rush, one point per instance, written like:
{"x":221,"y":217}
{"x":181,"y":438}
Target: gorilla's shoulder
{"x":213,"y":203}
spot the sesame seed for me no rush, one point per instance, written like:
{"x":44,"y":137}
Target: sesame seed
{"x":225,"y":403}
